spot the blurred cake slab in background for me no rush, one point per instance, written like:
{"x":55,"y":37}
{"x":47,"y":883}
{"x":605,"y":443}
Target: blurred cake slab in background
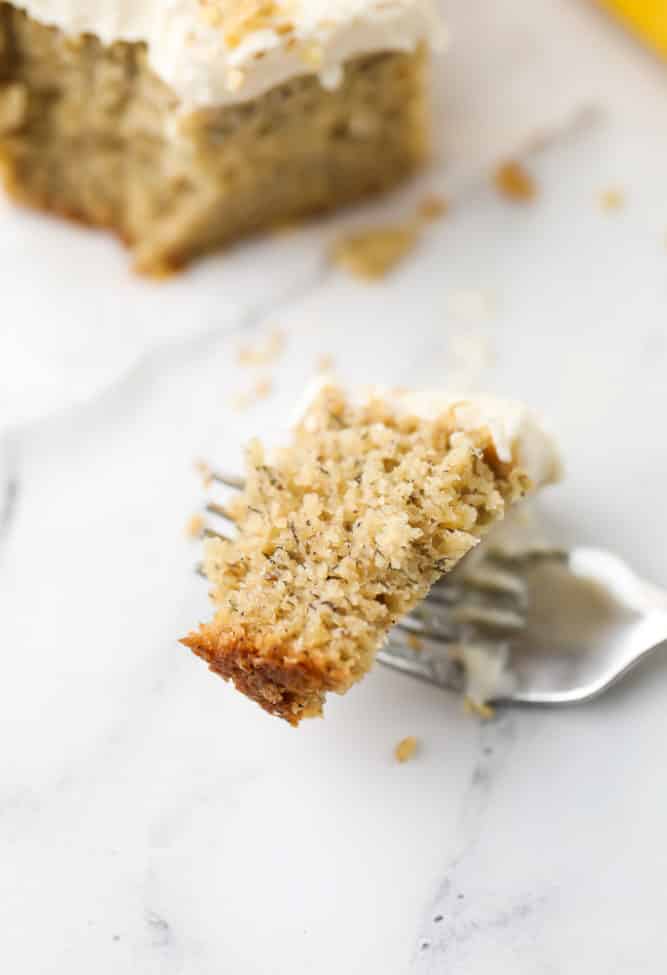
{"x":183,"y":126}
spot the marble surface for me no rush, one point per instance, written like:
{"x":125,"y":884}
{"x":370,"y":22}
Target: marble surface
{"x":153,"y":821}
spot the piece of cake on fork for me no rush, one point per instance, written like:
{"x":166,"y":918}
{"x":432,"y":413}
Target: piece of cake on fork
{"x":184,"y":124}
{"x":344,"y":530}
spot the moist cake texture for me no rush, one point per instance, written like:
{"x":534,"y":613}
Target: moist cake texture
{"x":343,"y":531}
{"x":91,"y":131}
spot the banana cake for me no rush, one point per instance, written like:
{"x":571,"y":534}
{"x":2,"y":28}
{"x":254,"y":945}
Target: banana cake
{"x":345,"y":529}
{"x":184,"y":124}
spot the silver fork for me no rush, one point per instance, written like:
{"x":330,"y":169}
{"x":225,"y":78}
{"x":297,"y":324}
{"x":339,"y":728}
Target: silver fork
{"x":572,"y":622}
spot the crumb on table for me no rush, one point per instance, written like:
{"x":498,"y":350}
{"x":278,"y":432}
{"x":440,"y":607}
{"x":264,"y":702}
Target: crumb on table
{"x":406,"y":749}
{"x":371,"y":254}
{"x":204,"y":472}
{"x":263,"y":387}
{"x":240,"y":400}
{"x":484,"y":711}
{"x":195,"y":526}
{"x":325,"y":363}
{"x":513,"y":181}
{"x":264,"y":351}
{"x":432,"y":207}
{"x":414,"y":642}
{"x":612,"y":199}
{"x":245,"y":398}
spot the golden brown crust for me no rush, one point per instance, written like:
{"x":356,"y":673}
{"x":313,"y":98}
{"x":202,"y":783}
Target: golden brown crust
{"x":289,"y":690}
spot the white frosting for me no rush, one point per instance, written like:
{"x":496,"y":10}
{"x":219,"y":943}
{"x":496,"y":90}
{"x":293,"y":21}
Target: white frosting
{"x":516,"y":431}
{"x":487,"y":672}
{"x":192,"y":56}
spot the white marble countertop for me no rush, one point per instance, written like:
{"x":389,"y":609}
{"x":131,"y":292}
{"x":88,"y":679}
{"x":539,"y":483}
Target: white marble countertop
{"x":152,"y":820}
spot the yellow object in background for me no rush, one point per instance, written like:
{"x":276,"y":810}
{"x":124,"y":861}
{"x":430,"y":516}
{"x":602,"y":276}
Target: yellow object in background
{"x":647,"y":17}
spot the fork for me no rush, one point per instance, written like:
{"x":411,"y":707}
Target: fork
{"x":572,"y":622}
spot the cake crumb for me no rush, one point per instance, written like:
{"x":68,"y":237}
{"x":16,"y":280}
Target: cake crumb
{"x":239,"y":19}
{"x":325,"y":363}
{"x":264,"y":351}
{"x":204,"y":472}
{"x":414,"y":642}
{"x":263,"y":388}
{"x":433,"y":207}
{"x":484,"y":711}
{"x":245,"y":398}
{"x":513,"y":181}
{"x":406,"y":748}
{"x":371,"y":254}
{"x":612,"y":199}
{"x":195,"y":526}
{"x":240,"y":401}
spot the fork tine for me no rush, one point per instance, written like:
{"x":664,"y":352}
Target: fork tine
{"x":444,"y":595}
{"x":460,"y":601}
{"x":417,"y":627}
{"x":210,"y":533}
{"x":434,"y":667}
{"x":488,"y":617}
{"x":444,"y":628}
{"x":495,"y":580}
{"x":229,"y":480}
{"x":446,"y":601}
{"x":536,"y":554}
{"x":219,"y":511}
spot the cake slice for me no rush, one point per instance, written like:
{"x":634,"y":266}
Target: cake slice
{"x":344,"y":530}
{"x":182,"y":126}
